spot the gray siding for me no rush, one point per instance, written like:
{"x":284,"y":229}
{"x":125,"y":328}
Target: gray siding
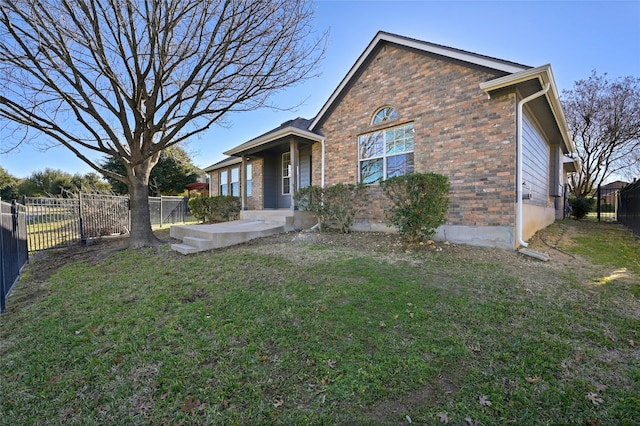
{"x":270,"y":179}
{"x":305,"y":166}
{"x":535,"y":164}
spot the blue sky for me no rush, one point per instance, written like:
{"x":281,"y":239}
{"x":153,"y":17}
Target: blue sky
{"x":575,"y":37}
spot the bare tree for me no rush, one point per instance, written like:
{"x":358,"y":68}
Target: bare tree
{"x":604,"y":121}
{"x":130,"y":78}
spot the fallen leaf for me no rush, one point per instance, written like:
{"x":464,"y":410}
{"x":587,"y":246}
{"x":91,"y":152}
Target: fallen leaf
{"x":594,"y":398}
{"x":331,"y":363}
{"x":382,"y":324}
{"x":533,"y":380}
{"x":633,"y":343}
{"x":600,"y":387}
{"x":591,"y":422}
{"x":484,"y":401}
{"x":278,"y":402}
{"x":189,"y":405}
{"x":471,"y":422}
{"x":53,"y":380}
{"x":444,"y":418}
{"x":324,"y":381}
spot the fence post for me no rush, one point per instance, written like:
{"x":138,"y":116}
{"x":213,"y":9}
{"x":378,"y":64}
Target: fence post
{"x":598,"y":203}
{"x":2,"y":286}
{"x":83,"y":240}
{"x":161,"y":210}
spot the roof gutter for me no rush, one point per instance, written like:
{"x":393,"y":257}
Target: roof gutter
{"x":519,"y":119}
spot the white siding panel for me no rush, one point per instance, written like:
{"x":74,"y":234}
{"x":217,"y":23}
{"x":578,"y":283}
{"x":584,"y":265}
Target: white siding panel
{"x":535,"y":164}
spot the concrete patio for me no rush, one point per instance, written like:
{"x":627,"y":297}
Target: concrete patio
{"x":252,"y":224}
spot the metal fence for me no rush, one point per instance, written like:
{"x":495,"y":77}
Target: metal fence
{"x":629,"y":209}
{"x":168,"y":210}
{"x":607,"y":204}
{"x":59,"y":222}
{"x":13,"y":246}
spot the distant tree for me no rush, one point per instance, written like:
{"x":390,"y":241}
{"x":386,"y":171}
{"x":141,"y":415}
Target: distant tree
{"x":90,"y":183}
{"x":8,"y":185}
{"x":604,"y":121}
{"x":128,"y":79}
{"x":51,"y":182}
{"x":168,"y":177}
{"x":46,"y":183}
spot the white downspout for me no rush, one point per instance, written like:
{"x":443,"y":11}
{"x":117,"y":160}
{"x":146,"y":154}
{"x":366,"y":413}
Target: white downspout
{"x":322,"y":165}
{"x":519,"y":161}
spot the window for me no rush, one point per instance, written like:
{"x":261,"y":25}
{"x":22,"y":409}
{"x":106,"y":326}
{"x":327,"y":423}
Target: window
{"x":386,"y":153}
{"x":286,"y":173}
{"x":235,"y":181}
{"x":249,"y":179}
{"x":384,"y":114}
{"x":224,"y":183}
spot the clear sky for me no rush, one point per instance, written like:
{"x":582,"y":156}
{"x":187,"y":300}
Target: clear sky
{"x":575,"y":37}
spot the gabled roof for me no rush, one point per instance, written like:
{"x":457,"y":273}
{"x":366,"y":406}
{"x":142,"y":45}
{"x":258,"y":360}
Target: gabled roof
{"x":223,"y":163}
{"x":296,"y":127}
{"x":529,"y":81}
{"x":502,"y":66}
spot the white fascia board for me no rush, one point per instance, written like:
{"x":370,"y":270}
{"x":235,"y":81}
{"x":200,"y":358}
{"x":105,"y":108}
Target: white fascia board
{"x":222,"y":165}
{"x":544,"y":75}
{"x":270,"y":137}
{"x":418,"y":45}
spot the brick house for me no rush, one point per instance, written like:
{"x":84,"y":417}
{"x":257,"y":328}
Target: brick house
{"x":413,"y":106}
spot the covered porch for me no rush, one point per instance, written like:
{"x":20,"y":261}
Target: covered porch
{"x":266,"y":172}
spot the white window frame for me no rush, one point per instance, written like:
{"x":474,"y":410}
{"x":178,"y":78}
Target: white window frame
{"x":224,"y":182}
{"x":286,"y":173}
{"x":249,"y":179}
{"x":234,"y":173}
{"x":388,"y":148}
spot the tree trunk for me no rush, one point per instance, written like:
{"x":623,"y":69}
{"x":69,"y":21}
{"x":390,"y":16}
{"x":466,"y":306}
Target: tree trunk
{"x":141,"y":234}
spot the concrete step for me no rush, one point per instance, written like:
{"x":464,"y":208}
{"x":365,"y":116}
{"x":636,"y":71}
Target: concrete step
{"x":184,"y":248}
{"x":199,"y":242}
{"x":206,"y":237}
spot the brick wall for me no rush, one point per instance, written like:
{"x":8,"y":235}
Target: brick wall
{"x":214,"y":183}
{"x":459,"y":132}
{"x":256,"y":200}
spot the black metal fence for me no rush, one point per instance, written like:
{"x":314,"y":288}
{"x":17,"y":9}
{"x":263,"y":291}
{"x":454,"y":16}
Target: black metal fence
{"x":59,"y":222}
{"x":168,"y":210}
{"x":607,"y":204}
{"x":13,"y":246}
{"x":629,"y":209}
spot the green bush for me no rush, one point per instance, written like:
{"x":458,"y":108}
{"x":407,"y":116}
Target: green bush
{"x":580,"y":206}
{"x":420,"y":203}
{"x":333,"y":206}
{"x":607,"y":208}
{"x":220,"y":208}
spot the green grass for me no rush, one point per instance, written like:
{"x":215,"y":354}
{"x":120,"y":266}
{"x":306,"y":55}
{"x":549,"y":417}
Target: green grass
{"x":251,"y":336}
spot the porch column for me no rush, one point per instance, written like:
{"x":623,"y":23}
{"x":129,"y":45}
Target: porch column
{"x":293,"y":149}
{"x":243,"y":183}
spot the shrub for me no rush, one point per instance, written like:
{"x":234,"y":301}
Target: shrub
{"x":420,"y":203}
{"x":580,"y":207}
{"x":220,"y":208}
{"x":333,"y":206}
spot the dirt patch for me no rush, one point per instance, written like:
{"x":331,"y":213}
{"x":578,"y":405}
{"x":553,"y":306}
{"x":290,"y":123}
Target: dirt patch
{"x":388,"y":247}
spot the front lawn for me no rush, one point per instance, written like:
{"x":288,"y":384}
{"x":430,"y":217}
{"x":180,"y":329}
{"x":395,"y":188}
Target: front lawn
{"x":314,"y":329}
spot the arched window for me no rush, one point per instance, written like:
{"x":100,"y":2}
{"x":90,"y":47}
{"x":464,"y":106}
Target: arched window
{"x":384,"y":114}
